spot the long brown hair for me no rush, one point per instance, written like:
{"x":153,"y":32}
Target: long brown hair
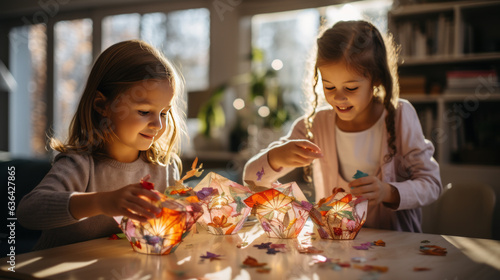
{"x":364,"y":50}
{"x":116,"y":70}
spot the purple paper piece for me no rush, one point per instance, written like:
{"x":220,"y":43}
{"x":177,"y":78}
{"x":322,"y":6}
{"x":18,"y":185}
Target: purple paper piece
{"x":260,"y":174}
{"x":204,"y":193}
{"x":210,"y":256}
{"x":263,"y":245}
{"x":306,"y":205}
{"x":271,"y":251}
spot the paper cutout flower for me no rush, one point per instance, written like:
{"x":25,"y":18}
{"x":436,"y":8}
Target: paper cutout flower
{"x":281,"y":210}
{"x":339,"y":216}
{"x":222,"y":203}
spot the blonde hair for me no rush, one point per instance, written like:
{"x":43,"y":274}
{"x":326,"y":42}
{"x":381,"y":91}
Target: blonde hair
{"x":115,"y":71}
{"x":361,"y":46}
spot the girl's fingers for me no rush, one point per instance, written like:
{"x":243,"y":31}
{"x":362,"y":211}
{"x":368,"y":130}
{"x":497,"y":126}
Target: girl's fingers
{"x":146,"y":206}
{"x":139,"y":210}
{"x":309,"y":146}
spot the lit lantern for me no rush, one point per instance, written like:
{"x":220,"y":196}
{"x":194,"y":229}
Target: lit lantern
{"x":282,"y":210}
{"x":164,"y":233}
{"x":180,"y":209}
{"x":339,"y":216}
{"x":222,"y":200}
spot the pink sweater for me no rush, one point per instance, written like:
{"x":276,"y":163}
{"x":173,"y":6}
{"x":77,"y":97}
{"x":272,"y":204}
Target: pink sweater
{"x":413,"y":170}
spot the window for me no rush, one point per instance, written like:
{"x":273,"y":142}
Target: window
{"x":27,"y":102}
{"x":183,"y":36}
{"x":72,"y":62}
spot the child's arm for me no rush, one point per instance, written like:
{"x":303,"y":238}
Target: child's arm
{"x":126,"y":201}
{"x":281,"y":157}
{"x":415,"y":177}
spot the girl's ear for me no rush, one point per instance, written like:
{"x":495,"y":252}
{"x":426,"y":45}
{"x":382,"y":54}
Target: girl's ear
{"x":100,"y":103}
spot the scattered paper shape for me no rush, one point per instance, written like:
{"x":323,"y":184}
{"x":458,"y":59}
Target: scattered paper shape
{"x":433,"y":250}
{"x":421,"y":269}
{"x":114,"y":236}
{"x":379,"y":243}
{"x":252,"y":262}
{"x":368,"y":267}
{"x":211,"y":256}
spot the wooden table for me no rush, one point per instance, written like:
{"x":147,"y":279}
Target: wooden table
{"x":467,"y":258}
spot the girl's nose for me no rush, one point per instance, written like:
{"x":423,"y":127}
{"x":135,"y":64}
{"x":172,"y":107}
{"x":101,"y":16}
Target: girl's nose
{"x":156,"y":123}
{"x":339,"y":96}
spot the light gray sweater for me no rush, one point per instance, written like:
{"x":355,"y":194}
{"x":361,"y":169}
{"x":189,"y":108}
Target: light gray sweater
{"x":46,"y":207}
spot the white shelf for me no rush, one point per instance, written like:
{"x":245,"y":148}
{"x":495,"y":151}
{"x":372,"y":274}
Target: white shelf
{"x":449,"y":59}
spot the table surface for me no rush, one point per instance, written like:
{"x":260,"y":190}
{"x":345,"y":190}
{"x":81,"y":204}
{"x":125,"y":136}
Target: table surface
{"x":467,"y":258}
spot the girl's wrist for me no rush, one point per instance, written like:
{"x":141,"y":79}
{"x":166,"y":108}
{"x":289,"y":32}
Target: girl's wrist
{"x":392,"y":198}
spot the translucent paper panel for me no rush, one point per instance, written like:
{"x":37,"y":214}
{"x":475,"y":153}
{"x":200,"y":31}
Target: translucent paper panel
{"x":73,"y":59}
{"x":120,"y":28}
{"x":374,"y":11}
{"x":286,"y":38}
{"x":27,"y":115}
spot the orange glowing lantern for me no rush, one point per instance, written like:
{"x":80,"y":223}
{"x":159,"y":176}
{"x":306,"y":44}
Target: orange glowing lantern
{"x":180,"y":209}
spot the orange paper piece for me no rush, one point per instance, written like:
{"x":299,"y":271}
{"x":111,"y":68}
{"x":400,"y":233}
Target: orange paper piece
{"x":433,"y":250}
{"x":372,"y":268}
{"x":253,"y":262}
{"x":379,"y":243}
{"x":421,"y":269}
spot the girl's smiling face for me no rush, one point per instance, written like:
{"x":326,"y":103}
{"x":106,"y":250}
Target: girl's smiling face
{"x":138,"y":117}
{"x":350,"y":95}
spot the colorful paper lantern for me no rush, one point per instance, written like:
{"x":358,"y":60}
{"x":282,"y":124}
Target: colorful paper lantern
{"x":164,"y":233}
{"x":222,"y":201}
{"x":180,"y":209}
{"x":282,"y":210}
{"x":339,"y":216}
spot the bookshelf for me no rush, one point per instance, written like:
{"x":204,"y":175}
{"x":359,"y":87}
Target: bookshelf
{"x":449,"y":60}
{"x":449,"y":65}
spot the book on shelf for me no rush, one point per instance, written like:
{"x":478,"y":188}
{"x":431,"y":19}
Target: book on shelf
{"x":429,"y":37}
{"x":470,"y":81}
{"x":412,"y":85}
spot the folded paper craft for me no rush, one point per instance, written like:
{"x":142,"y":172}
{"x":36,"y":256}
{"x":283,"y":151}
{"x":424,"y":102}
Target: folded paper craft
{"x":222,"y":201}
{"x":339,"y":216}
{"x":282,"y":210}
{"x":180,"y":209}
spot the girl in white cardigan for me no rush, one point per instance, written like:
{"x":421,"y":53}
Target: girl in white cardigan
{"x":366,"y":127}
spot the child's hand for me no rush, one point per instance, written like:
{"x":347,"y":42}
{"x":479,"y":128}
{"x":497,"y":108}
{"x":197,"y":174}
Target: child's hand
{"x":293,"y":153}
{"x":376,"y":191}
{"x":130,"y":201}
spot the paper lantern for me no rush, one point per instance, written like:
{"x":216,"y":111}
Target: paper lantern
{"x":339,"y":216}
{"x":282,"y":210}
{"x":180,"y":209}
{"x":222,"y":201}
{"x":164,"y":233}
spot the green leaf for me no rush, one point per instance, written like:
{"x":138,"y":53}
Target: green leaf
{"x":346,"y":214}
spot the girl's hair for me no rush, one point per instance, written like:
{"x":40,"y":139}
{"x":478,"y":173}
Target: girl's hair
{"x":116,"y":70}
{"x":363,"y":49}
